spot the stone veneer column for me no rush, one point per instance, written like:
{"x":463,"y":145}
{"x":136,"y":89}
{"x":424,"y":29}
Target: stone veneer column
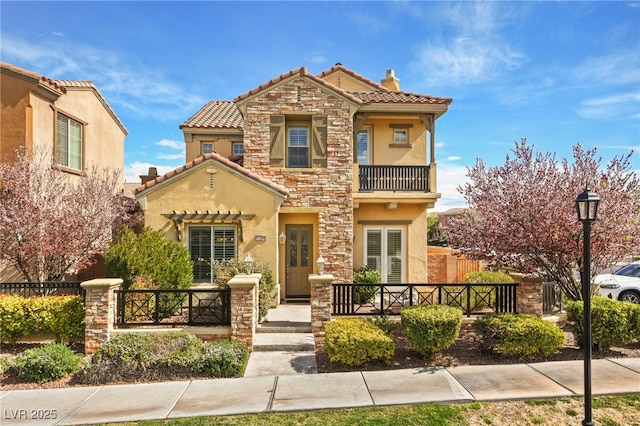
{"x":321,"y":302}
{"x":244,"y":307}
{"x":529,"y":294}
{"x":100,"y":312}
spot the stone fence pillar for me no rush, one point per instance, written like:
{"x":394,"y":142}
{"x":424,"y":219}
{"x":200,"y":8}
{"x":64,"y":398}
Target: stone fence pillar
{"x":321,"y":302}
{"x":244,"y":307}
{"x":529,"y":294}
{"x":100,"y":312}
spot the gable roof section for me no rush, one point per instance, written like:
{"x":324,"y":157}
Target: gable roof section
{"x":61,"y":87}
{"x":400,"y":98}
{"x":219,"y":114}
{"x":162,"y":180}
{"x":339,"y":67}
{"x":302,"y":72}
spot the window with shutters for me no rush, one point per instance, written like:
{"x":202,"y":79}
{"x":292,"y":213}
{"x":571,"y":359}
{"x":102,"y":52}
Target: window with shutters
{"x":385,"y":252}
{"x":69,"y":142}
{"x":298,"y":141}
{"x":206,"y":243}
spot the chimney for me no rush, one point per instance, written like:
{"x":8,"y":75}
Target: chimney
{"x":391,"y":82}
{"x":151,"y":175}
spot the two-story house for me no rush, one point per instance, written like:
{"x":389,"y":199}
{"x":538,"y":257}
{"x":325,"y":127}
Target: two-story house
{"x":67,"y":119}
{"x":306,"y":165}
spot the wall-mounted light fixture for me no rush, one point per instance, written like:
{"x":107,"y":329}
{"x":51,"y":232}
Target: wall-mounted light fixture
{"x":282,"y":238}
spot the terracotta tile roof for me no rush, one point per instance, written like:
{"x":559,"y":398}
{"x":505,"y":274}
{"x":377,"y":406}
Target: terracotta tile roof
{"x":221,"y":114}
{"x":340,"y":67}
{"x":45,"y":81}
{"x":60,"y":87}
{"x":217,"y":157}
{"x":303,"y":73}
{"x":399,"y":98}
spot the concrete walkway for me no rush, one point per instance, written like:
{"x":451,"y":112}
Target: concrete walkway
{"x":262,"y":394}
{"x":279,"y":380}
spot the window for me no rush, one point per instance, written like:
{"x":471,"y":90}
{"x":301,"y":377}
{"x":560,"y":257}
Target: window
{"x":208,"y":243}
{"x":384,"y":251}
{"x":298,"y":141}
{"x":298,"y":147}
{"x":69,"y":144}
{"x":364,"y":148}
{"x":206,"y":147}
{"x":237,"y":148}
{"x":400,"y":136}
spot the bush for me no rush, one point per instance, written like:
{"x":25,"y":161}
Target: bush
{"x":134,"y":357}
{"x":519,"y":335}
{"x":612,"y":322}
{"x":45,"y":363}
{"x":62,"y":316}
{"x":357,"y":341}
{"x":5,"y":365}
{"x":488,"y":277}
{"x":364,"y":293}
{"x":431,"y":328}
{"x":151,"y":256}
{"x":226,"y":269}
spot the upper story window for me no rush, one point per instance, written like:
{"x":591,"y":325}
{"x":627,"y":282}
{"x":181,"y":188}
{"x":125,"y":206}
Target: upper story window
{"x":364,"y":147}
{"x":400,"y":136}
{"x":298,"y":147}
{"x":206,"y":147}
{"x":237,"y":148}
{"x":69,"y":144}
{"x":298,"y":141}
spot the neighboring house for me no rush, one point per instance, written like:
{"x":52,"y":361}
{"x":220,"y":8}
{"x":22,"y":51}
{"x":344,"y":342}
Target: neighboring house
{"x":306,"y":165}
{"x":69,"y":120}
{"x":444,"y":222}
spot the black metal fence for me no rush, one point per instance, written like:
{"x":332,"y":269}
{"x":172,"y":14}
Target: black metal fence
{"x":551,"y":298}
{"x":472,"y":299}
{"x":196,"y":307}
{"x":48,"y":288}
{"x":393,"y":178}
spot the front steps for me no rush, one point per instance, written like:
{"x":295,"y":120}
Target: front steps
{"x":284,"y":344}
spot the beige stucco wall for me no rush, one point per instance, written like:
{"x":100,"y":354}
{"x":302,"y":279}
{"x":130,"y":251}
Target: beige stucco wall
{"x":191,"y":190}
{"x":14,"y":116}
{"x":222,"y":144}
{"x":385,"y":153}
{"x":376,"y":215}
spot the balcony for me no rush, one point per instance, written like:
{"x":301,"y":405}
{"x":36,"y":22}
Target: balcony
{"x":393,"y":178}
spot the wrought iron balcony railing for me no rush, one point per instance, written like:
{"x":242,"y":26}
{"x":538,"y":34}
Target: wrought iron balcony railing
{"x":394,"y":178}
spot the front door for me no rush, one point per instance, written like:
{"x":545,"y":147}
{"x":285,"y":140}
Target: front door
{"x":299,"y":260}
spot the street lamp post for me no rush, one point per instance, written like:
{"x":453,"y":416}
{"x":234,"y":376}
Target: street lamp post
{"x":587,"y":209}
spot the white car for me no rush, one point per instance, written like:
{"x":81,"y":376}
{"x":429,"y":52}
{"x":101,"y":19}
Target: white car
{"x":624,"y":284}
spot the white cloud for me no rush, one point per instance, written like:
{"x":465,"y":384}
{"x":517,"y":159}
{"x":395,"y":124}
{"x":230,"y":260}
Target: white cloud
{"x":621,"y":105}
{"x":453,"y":158}
{"x":450,"y":177}
{"x":124,"y":82}
{"x":171,"y":144}
{"x":615,"y":69}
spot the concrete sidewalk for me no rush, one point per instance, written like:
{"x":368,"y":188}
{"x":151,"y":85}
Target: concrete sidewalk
{"x":277,"y":393}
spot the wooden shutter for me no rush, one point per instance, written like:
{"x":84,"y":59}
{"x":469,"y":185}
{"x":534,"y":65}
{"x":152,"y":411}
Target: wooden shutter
{"x":319,"y":144}
{"x":277,"y":141}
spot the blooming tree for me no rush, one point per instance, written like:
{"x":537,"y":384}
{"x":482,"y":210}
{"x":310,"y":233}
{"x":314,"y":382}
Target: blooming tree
{"x":522,"y":215}
{"x":53,"y":223}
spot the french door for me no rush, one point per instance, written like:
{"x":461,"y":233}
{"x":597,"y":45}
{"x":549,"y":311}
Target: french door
{"x":385,"y":252}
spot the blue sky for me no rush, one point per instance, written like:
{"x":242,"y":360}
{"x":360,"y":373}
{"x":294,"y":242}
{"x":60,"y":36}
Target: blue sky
{"x":556,"y":73}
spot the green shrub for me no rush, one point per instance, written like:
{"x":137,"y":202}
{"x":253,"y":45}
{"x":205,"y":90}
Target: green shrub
{"x":612,"y":322}
{"x":135,"y":357}
{"x":223,"y":359}
{"x":522,"y":336}
{"x":150,"y":255}
{"x":46,"y":363}
{"x":356,"y":341}
{"x":5,"y":365}
{"x":364,"y":293}
{"x":488,"y":277}
{"x":62,"y":316}
{"x":224,"y":270}
{"x":384,"y":323}
{"x":431,"y":328}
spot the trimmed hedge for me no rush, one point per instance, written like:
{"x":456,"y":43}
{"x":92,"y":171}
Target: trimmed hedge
{"x":523,"y":336}
{"x":612,"y":322}
{"x":431,"y":328}
{"x":46,"y":363}
{"x":62,"y":316}
{"x":135,"y":357}
{"x":357,"y":341}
